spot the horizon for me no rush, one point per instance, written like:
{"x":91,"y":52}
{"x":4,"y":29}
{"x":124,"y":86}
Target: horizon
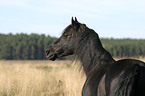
{"x":110,"y":19}
{"x":58,"y":37}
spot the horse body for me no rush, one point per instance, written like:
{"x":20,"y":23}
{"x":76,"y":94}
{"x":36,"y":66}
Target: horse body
{"x":126,"y":78}
{"x":105,"y":76}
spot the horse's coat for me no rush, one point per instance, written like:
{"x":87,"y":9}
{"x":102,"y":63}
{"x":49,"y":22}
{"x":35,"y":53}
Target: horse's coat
{"x":105,"y":76}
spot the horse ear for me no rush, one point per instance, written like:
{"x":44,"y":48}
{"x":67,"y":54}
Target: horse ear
{"x":75,"y":24}
{"x":72,"y":21}
{"x":76,"y":20}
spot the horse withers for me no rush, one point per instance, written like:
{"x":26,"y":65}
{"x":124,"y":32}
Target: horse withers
{"x":105,"y":76}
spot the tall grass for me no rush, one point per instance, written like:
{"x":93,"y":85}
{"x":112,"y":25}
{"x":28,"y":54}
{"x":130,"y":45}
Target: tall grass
{"x":40,"y":78}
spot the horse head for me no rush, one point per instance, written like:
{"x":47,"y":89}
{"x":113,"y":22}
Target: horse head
{"x":65,"y":45}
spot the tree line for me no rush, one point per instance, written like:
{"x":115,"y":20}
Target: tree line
{"x":32,"y":47}
{"x":23,"y":46}
{"x":125,"y":47}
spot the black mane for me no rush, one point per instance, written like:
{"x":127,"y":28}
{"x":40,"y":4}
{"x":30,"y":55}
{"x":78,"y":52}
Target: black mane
{"x":95,"y":59}
{"x":89,"y":49}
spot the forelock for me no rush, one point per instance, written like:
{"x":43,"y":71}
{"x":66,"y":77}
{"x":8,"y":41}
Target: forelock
{"x":67,"y":29}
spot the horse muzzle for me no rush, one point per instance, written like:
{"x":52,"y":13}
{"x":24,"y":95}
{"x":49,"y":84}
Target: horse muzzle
{"x":50,"y":55}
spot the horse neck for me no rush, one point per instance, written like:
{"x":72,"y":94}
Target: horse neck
{"x":92,"y":54}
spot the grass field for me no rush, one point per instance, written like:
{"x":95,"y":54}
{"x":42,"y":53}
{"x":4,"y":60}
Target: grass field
{"x":41,"y":78}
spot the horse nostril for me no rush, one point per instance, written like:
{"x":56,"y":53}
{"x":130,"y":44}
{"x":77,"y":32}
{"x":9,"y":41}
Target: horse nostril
{"x":47,"y":52}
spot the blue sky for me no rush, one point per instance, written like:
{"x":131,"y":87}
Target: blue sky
{"x":109,"y":18}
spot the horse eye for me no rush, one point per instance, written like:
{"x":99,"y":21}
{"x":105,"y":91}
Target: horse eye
{"x":67,"y":36}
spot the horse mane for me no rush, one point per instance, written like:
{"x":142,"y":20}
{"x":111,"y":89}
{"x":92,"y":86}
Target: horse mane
{"x":89,"y":48}
{"x":95,"y":59}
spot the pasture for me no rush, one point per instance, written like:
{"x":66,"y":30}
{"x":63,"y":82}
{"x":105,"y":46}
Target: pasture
{"x":41,"y":78}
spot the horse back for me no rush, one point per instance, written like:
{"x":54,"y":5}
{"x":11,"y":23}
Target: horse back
{"x":126,"y":77}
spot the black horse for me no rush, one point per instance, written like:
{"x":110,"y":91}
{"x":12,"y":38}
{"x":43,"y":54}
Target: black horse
{"x":105,"y":76}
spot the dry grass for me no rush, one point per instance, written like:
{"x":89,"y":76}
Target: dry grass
{"x":40,"y":78}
